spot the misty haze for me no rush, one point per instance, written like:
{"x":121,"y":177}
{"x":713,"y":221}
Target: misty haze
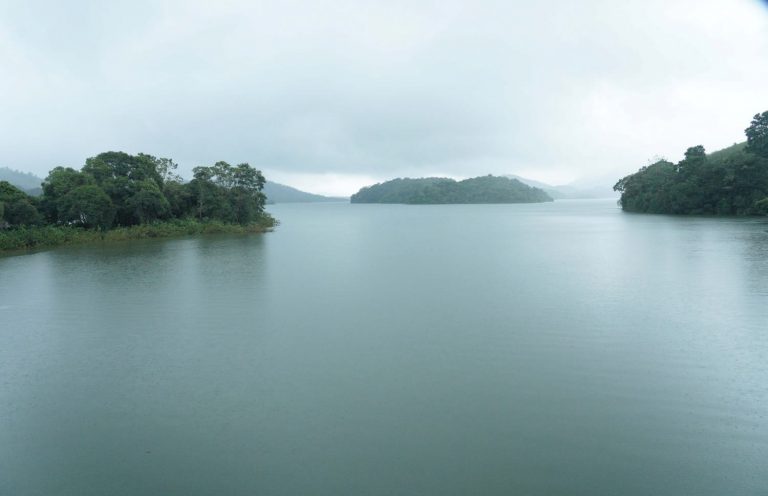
{"x":379,"y":248}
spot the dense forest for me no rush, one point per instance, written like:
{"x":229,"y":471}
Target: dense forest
{"x":435,"y":190}
{"x":733,"y":181}
{"x":118,"y":190}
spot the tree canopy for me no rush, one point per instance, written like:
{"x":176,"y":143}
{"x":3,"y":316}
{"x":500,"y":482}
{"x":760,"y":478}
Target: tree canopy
{"x":732,"y":181}
{"x":116,"y":188}
{"x":16,"y":207}
{"x":757,"y":135}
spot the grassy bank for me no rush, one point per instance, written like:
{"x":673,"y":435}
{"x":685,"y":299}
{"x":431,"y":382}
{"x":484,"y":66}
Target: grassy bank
{"x":27,"y":238}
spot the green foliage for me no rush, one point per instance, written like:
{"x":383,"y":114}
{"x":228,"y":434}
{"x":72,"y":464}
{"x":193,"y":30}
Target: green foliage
{"x":24,"y":238}
{"x":732,"y":181}
{"x":114,"y":165}
{"x":132,"y":182}
{"x":761,"y":206}
{"x":400,"y":190}
{"x":87,"y":206}
{"x":133,"y":192}
{"x":434,"y":190}
{"x":38,"y":236}
{"x":56,"y":185}
{"x":179,"y":197}
{"x":228,"y":193}
{"x":143,"y":188}
{"x":16,"y":207}
{"x":757,"y":135}
{"x":165,"y":168}
{"x":148,"y":203}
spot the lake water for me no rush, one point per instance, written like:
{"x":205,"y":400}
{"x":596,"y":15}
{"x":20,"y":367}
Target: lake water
{"x":561,"y":348}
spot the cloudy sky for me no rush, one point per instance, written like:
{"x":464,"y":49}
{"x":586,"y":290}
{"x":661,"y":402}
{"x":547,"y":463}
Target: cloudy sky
{"x":332,"y":95}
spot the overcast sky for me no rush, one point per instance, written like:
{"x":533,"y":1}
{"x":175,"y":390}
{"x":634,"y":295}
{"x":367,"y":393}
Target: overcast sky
{"x":329,"y":96}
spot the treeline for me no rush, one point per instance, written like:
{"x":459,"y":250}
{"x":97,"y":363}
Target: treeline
{"x":115,"y":189}
{"x":733,"y":181}
{"x":435,"y":190}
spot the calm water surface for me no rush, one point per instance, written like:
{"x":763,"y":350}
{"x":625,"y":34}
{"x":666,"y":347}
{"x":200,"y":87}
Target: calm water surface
{"x":549,"y":349}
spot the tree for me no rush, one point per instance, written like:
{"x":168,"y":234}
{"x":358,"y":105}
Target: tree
{"x":248,"y":200}
{"x":223,"y":174}
{"x":122,"y":176}
{"x":227,"y":193}
{"x":148,"y":203}
{"x":88,"y":206}
{"x":112,"y":165}
{"x":165,"y":168}
{"x":761,"y":207}
{"x":757,"y":135}
{"x":732,"y":181}
{"x":202,"y":188}
{"x":22,"y":213}
{"x":695,"y":156}
{"x":123,"y":189}
{"x":180,"y":199}
{"x":59,"y":182}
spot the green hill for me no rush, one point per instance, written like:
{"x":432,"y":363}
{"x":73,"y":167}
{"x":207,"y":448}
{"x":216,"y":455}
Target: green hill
{"x":437,"y":190}
{"x":731,"y":181}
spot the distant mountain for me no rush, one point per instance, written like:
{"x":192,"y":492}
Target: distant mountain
{"x":280,"y":193}
{"x":22,"y":180}
{"x":553,"y":191}
{"x":581,"y":189}
{"x":593,"y":187}
{"x":439,"y":190}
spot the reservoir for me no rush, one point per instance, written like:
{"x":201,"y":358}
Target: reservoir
{"x":531,"y":349}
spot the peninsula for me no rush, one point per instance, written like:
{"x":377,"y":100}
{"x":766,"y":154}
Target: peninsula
{"x":732,"y":181}
{"x":117,"y":196}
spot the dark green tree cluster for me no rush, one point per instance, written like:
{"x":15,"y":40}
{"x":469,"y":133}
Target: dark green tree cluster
{"x":229,"y":193}
{"x":435,"y":190}
{"x":733,"y":181}
{"x":118,"y":189}
{"x":16,"y":207}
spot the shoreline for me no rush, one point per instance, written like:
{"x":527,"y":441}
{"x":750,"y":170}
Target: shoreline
{"x":29,"y":239}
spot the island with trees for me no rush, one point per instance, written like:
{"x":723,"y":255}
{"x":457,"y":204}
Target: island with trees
{"x":732,"y":181}
{"x":120,"y":196}
{"x":437,"y":190}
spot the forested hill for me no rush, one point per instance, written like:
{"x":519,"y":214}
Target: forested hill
{"x":732,"y":181}
{"x":484,"y":189}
